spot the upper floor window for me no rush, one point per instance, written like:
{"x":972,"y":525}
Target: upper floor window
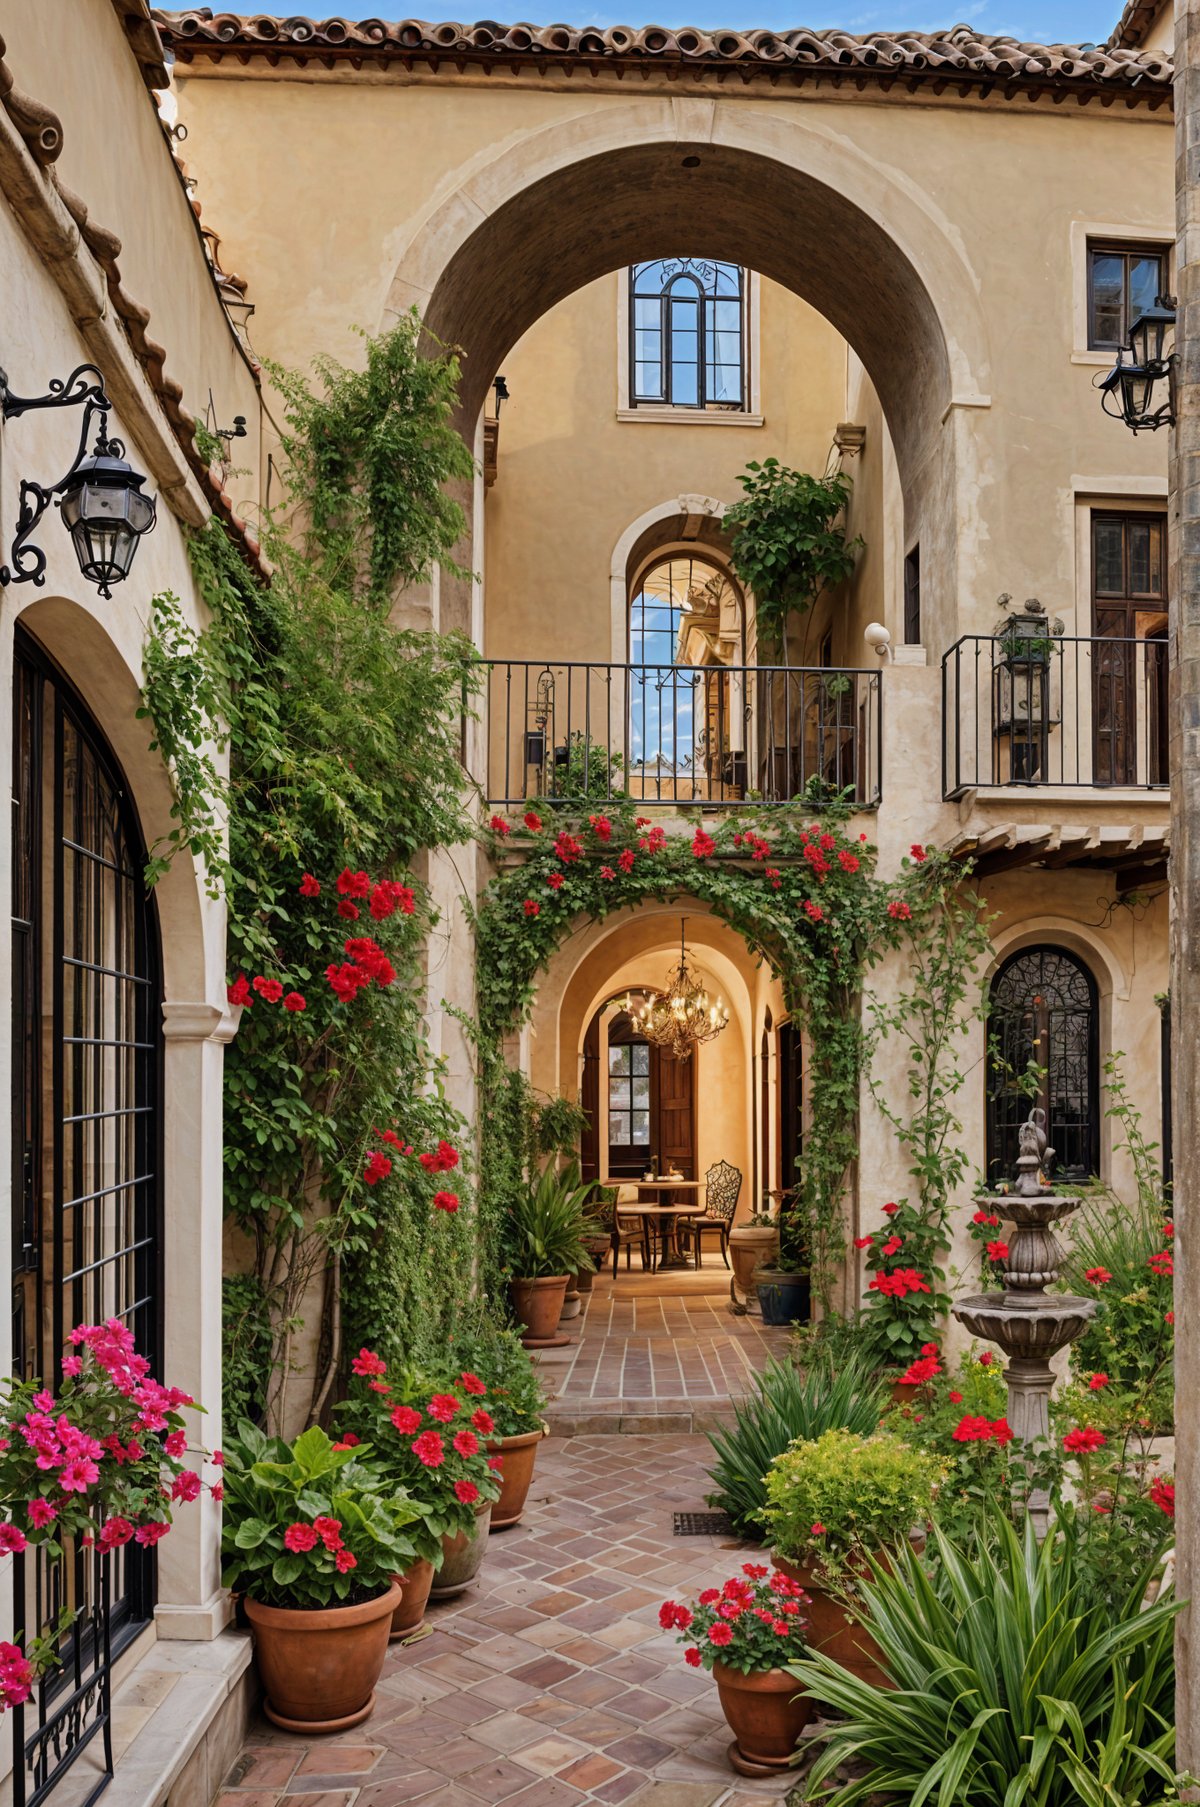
{"x":1123,"y":281}
{"x":687,"y":340}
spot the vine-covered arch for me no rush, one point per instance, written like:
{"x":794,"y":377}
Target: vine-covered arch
{"x":803,"y":895}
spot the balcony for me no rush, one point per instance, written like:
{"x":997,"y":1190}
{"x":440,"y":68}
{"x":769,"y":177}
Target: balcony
{"x":1040,"y":710}
{"x":670,"y":736}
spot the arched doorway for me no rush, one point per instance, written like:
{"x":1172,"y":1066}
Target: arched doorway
{"x":1042,"y":1009}
{"x":87,"y":1122}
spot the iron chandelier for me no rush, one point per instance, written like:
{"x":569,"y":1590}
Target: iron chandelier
{"x":682,"y":1016}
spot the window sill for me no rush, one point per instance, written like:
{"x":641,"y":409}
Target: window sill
{"x":1101,"y":360}
{"x":691,"y":417}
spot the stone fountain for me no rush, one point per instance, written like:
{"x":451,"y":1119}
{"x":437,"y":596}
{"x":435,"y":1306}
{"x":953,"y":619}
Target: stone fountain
{"x":1029,"y":1325}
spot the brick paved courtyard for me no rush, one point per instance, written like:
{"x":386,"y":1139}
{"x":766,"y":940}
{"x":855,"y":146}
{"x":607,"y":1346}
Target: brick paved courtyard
{"x":549,"y":1682}
{"x":656,"y":1352}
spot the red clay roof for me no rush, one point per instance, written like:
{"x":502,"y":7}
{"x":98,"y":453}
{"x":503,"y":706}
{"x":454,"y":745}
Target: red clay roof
{"x":955,"y":58}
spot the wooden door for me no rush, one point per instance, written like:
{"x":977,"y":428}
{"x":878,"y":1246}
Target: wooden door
{"x":589,"y":1101}
{"x":1128,"y":581}
{"x":790,"y":1088}
{"x":676,"y":1113}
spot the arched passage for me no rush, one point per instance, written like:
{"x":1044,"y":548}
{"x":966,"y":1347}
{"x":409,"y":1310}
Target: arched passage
{"x":795,"y":202}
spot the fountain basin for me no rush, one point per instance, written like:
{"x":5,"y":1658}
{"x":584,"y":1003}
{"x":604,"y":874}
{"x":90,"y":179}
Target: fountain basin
{"x":1030,"y":1326}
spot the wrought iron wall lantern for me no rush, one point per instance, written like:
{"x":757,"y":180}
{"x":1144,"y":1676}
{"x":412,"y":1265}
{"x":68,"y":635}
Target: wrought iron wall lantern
{"x":1127,"y":391}
{"x":100,"y":497}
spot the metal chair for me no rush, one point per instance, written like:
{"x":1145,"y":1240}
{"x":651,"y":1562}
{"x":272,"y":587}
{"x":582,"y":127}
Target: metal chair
{"x":628,"y":1230}
{"x":723,"y":1186}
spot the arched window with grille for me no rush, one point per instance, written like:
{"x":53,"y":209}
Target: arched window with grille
{"x":1043,"y":1008}
{"x":687,"y":338}
{"x":686,"y":727}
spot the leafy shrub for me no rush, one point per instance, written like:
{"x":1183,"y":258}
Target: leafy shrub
{"x":516,"y":1398}
{"x":789,"y":538}
{"x":311,"y":1525}
{"x":833,"y":1500}
{"x":786,"y":1404}
{"x":589,"y":772}
{"x":1013,"y":1686}
{"x":246,"y":1344}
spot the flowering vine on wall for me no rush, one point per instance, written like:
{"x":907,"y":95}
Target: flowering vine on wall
{"x":804,"y":894}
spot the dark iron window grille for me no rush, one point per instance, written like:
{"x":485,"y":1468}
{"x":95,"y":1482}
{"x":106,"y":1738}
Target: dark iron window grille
{"x":1043,"y":1007}
{"x":87,"y":1159}
{"x":687,"y":334}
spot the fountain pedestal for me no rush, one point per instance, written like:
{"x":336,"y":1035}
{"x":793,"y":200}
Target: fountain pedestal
{"x":1027,"y":1324}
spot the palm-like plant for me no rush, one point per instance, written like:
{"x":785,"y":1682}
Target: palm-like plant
{"x":785,"y":1404}
{"x":1015,"y":1687}
{"x":548,"y":1223}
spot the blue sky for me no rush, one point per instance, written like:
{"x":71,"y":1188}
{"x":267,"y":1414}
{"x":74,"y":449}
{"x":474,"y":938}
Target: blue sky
{"x":1039,"y":21}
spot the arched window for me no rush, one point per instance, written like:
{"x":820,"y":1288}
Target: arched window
{"x":1042,"y":1008}
{"x":87,"y":1158}
{"x":685,"y":715}
{"x":687,"y":334}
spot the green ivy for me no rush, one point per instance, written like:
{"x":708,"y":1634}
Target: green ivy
{"x":802,"y":894}
{"x":343,"y":738}
{"x":789,"y":539}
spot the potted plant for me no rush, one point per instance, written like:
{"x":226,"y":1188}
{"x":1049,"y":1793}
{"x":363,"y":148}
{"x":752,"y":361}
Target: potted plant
{"x":428,"y":1433}
{"x":313,"y":1537}
{"x":744,"y":1632}
{"x":515,"y":1403}
{"x":784,"y":1285}
{"x":96,"y":1464}
{"x":544,"y":1242}
{"x":834,"y":1504}
{"x":753,"y":1244}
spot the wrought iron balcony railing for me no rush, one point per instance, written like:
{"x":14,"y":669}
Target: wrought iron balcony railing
{"x":1053,"y":709}
{"x":670,"y":735}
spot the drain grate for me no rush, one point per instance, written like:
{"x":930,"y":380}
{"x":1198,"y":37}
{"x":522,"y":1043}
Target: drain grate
{"x":703,"y":1524}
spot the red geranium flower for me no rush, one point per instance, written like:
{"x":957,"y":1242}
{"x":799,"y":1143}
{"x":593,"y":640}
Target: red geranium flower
{"x":444,"y":1406}
{"x":500,"y":826}
{"x":1163,"y":1494}
{"x":429,"y":1449}
{"x":1097,"y":1382}
{"x":997,"y":1251}
{"x":532,"y":907}
{"x":554,"y":880}
{"x":703,"y":845}
{"x":466,"y":1492}
{"x":239,"y":991}
{"x":446,"y":1201}
{"x":1083,"y":1440}
{"x":471,"y":1383}
{"x":294,"y":1001}
{"x":720,"y":1633}
{"x":483,"y":1421}
{"x":378,"y":1167}
{"x":299,"y":1539}
{"x":532,"y":822}
{"x":352,"y":884}
{"x":406,"y":1420}
{"x":1097,"y":1276}
{"x":309,"y":886}
{"x":899,"y":911}
{"x":625,"y":859}
{"x":466,"y":1443}
{"x":917,"y":852}
{"x":367,"y":1362}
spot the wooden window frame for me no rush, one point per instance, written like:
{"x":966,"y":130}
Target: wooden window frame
{"x":1127,"y":249}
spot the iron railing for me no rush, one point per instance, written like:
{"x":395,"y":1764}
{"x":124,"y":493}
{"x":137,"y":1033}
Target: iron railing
{"x":669,"y":735}
{"x":1054,"y":709}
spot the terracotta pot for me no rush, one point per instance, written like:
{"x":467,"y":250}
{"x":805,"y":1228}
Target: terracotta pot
{"x":409,"y":1616}
{"x":319,"y":1666}
{"x":903,"y":1392}
{"x":832,"y":1625}
{"x":517,"y":1454}
{"x":538,"y":1305}
{"x":462,"y":1557}
{"x":585,"y":1279}
{"x":766,"y":1712}
{"x":750,"y":1245}
{"x":783,"y":1298}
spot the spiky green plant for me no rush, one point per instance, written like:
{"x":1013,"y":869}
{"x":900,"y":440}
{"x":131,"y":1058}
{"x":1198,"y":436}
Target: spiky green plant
{"x":547,"y":1224}
{"x":1014,"y":1687}
{"x":784,"y":1405}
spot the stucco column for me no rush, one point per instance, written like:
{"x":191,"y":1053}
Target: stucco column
{"x":1185,"y":868}
{"x":191,"y":1602}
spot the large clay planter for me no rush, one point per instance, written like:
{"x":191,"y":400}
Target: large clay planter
{"x":462,"y":1557}
{"x":409,"y":1616}
{"x":517,"y":1456}
{"x":749,"y":1246}
{"x":832,"y":1628}
{"x":766,"y":1713}
{"x":319,"y":1667}
{"x":538,"y":1305}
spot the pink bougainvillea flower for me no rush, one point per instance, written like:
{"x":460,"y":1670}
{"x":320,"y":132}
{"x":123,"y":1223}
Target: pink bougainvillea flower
{"x":863,"y":1242}
{"x":378,"y":1167}
{"x":607,"y":872}
{"x":12,"y":1540}
{"x":601,"y":827}
{"x":890,"y":1210}
{"x":893,"y":1245}
{"x":154,"y":1532}
{"x":899,"y":911}
{"x":41,"y":1513}
{"x":626,"y":858}
{"x":813,"y":911}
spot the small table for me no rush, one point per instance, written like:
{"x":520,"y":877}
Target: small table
{"x":662,"y":1214}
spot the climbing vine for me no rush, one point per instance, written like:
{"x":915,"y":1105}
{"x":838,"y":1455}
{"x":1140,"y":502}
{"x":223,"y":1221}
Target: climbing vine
{"x":802,"y":893}
{"x":343,"y":737}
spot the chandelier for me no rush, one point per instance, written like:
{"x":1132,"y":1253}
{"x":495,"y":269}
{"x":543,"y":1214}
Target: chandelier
{"x":682,"y":1016}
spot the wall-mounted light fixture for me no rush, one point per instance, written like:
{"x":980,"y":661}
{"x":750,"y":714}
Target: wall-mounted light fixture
{"x":1129,"y":388}
{"x":500,"y":389}
{"x":100,"y":498}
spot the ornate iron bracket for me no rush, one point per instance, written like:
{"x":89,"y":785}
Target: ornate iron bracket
{"x":84,"y":386}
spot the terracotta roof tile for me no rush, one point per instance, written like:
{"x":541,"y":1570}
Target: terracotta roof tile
{"x":144,"y":40}
{"x":959,"y":55}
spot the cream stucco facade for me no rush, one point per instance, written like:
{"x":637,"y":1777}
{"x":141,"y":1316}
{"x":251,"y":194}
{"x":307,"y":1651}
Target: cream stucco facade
{"x":917,"y":271}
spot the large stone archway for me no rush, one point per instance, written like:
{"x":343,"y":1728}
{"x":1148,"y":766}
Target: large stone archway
{"x":801,"y":205}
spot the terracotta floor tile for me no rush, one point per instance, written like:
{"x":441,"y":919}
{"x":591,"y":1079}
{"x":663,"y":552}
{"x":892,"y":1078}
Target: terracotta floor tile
{"x":496,"y":1781}
{"x":338,"y":1760}
{"x":588,"y":1772}
{"x":260,"y":1797}
{"x":264,"y":1766}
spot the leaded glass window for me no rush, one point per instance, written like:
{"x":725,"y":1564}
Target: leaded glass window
{"x":1043,"y":1009}
{"x":687,"y":334}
